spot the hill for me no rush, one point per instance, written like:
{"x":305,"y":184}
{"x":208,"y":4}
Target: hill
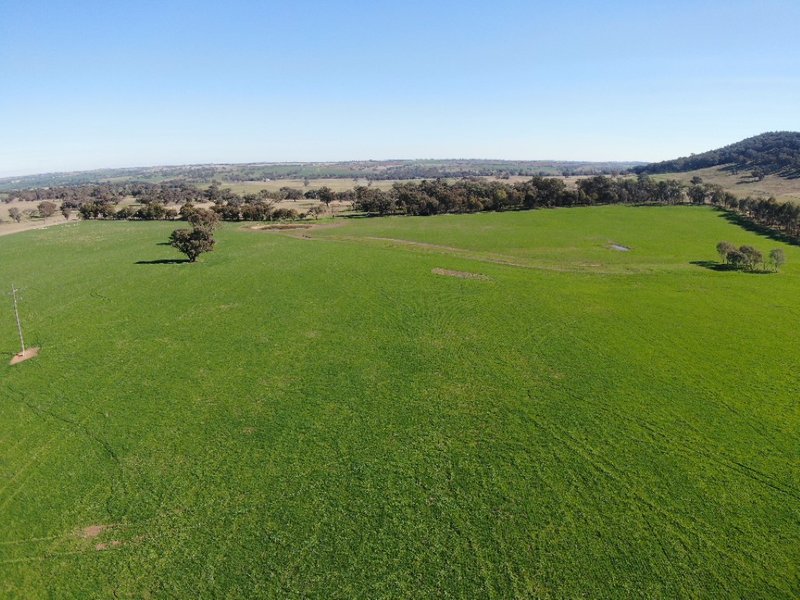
{"x":776,"y":153}
{"x":374,"y":170}
{"x":493,"y":405}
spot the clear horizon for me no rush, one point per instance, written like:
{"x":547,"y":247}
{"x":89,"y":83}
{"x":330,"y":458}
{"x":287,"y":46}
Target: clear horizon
{"x":107,"y":85}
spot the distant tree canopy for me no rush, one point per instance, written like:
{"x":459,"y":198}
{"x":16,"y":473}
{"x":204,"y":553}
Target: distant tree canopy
{"x":15,"y":213}
{"x":473,"y":195}
{"x":307,"y":172}
{"x":775,"y":153}
{"x":47,"y":209}
{"x":200,"y":217}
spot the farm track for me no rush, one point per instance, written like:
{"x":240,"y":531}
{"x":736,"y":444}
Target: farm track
{"x":485,"y":257}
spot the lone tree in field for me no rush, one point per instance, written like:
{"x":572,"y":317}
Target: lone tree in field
{"x":776,"y":258}
{"x":15,"y":213}
{"x":193,"y":242}
{"x":46,"y":209}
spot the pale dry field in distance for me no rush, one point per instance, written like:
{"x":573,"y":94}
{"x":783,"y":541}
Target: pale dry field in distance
{"x":741,"y":185}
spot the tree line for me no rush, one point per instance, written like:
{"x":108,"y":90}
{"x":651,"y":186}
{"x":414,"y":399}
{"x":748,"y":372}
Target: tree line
{"x":101,"y":201}
{"x":426,"y":197}
{"x":472,"y":195}
{"x":436,"y":197}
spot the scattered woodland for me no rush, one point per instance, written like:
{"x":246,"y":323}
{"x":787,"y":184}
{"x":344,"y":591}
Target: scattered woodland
{"x":176,"y":200}
{"x":372,"y":170}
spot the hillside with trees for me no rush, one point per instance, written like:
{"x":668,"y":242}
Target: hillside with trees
{"x":772,"y":153}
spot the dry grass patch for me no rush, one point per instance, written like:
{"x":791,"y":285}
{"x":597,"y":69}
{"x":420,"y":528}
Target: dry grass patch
{"x":92,"y":531}
{"x":459,"y":274}
{"x":741,"y":184}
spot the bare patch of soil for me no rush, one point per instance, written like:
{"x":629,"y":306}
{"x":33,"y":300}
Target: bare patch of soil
{"x":459,"y":274}
{"x":619,"y":248}
{"x":106,"y":546}
{"x":21,"y":356}
{"x":418,"y":244}
{"x":92,"y":531}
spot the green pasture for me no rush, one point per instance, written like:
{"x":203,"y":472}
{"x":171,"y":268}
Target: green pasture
{"x":317,"y":414}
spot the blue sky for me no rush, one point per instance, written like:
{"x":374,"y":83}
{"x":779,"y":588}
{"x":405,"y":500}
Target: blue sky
{"x":87,"y":84}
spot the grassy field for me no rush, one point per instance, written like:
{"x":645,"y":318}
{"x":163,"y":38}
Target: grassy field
{"x":326,"y":416}
{"x":742,"y":185}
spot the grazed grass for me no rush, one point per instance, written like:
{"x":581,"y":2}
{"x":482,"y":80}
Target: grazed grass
{"x":327,"y":417}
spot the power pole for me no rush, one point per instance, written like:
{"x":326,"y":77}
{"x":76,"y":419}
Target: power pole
{"x":16,"y":314}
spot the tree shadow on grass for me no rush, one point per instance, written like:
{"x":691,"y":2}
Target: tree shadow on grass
{"x":163,"y":261}
{"x":359,"y":216}
{"x":712,"y":265}
{"x":761,"y":230}
{"x":716,"y":266}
